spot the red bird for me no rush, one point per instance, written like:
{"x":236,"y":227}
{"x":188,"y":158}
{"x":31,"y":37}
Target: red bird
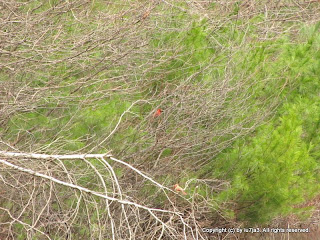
{"x":177,"y":188}
{"x":157,"y":113}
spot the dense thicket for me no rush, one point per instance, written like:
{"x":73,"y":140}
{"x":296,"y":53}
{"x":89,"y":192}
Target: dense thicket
{"x":238,"y":85}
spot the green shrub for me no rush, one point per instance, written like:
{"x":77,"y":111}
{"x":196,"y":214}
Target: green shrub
{"x":277,"y":167}
{"x":273,"y":172}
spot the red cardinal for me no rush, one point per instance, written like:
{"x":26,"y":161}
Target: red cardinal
{"x":157,"y":113}
{"x":177,"y":188}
